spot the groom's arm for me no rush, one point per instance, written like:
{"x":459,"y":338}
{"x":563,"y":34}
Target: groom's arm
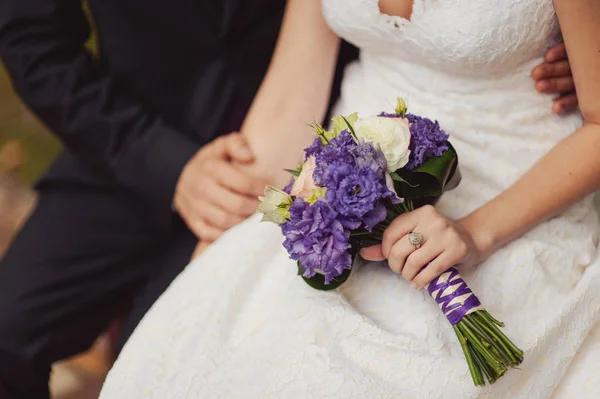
{"x":42,"y":46}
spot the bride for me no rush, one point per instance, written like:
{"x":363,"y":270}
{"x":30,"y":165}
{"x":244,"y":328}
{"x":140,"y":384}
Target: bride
{"x":239,"y":323}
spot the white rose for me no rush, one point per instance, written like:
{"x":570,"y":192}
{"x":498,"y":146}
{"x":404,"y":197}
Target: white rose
{"x":391,"y":135}
{"x":275,"y":205}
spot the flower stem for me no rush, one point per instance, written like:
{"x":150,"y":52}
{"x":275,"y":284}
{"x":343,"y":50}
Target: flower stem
{"x":490,"y":374}
{"x":487,"y":320}
{"x":473,"y":368}
{"x":491,"y":318}
{"x":477,"y":328}
{"x":494,"y":363}
{"x":497,"y":336}
{"x":407,"y":205}
{"x":487,"y":350}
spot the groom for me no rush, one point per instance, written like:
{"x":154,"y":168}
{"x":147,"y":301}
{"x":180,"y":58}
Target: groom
{"x":153,"y":113}
{"x":139,"y":121}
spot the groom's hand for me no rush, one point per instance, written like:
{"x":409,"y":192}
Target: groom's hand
{"x":212,"y":194}
{"x":554,"y":76}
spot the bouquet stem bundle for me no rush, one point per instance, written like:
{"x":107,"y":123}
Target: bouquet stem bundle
{"x":488,"y":351}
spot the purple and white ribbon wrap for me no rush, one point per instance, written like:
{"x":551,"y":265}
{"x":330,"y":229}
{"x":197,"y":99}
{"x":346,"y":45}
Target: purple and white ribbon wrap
{"x":453,"y":295}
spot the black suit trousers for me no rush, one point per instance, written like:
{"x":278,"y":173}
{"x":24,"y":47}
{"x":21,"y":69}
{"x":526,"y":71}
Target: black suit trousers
{"x":87,"y":254}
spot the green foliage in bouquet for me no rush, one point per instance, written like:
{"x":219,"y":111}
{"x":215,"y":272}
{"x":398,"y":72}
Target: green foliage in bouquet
{"x":428,"y":180}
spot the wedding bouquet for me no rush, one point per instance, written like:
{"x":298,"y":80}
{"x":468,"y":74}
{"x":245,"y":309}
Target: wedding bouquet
{"x":354,"y":181}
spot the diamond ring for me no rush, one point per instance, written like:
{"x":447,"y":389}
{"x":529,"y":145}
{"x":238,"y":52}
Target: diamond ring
{"x":416,"y":239}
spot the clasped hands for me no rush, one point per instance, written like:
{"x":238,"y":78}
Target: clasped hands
{"x":215,"y":192}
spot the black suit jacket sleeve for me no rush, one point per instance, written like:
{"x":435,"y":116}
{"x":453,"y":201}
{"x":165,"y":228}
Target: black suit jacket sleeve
{"x":42,"y":46}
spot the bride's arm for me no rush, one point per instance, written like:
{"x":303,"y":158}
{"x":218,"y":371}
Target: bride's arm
{"x":569,"y":172}
{"x":294,"y":93}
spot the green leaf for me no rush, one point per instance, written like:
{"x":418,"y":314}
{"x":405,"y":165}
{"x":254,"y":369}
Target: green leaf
{"x":429,"y":179}
{"x":295,"y":172}
{"x":366,"y":240}
{"x":318,"y":280}
{"x":396,"y":177}
{"x":340,"y":123}
{"x":351,"y":128}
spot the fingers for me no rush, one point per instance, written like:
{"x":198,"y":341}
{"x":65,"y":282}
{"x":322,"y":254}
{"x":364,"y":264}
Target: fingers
{"x":405,"y":224}
{"x":186,"y":210}
{"x":419,"y":259}
{"x":214,"y":215}
{"x":374,"y":253}
{"x":399,"y":253}
{"x":198,"y":212}
{"x":400,"y":227}
{"x":555,"y":76}
{"x":556,"y":85}
{"x":230,"y":201}
{"x":231,"y":178}
{"x":191,"y":215}
{"x":237,"y":148}
{"x":565,"y":103}
{"x":446,"y":244}
{"x":556,"y":53}
{"x":207,"y":232}
{"x":212,"y":195}
{"x":437,"y":266}
{"x":546,"y":70}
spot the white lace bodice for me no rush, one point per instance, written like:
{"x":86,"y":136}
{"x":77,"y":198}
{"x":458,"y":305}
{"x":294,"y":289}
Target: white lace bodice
{"x":473,"y":38}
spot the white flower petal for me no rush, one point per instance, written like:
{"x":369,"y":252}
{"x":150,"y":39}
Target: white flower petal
{"x":392,"y":135}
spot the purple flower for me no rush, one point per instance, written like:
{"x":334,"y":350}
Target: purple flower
{"x":288,"y":189}
{"x":366,"y":156}
{"x":428,"y":140}
{"x":337,"y":151}
{"x":314,"y":149}
{"x":355,"y":193}
{"x":316,"y":238}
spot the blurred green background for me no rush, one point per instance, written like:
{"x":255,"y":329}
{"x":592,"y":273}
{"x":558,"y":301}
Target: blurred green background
{"x":17,"y":123}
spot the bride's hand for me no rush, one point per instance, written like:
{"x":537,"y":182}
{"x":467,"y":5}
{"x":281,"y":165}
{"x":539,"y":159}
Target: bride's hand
{"x":446,"y":243}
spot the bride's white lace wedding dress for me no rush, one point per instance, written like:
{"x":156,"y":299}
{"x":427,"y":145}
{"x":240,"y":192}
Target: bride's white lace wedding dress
{"x":239,"y":323}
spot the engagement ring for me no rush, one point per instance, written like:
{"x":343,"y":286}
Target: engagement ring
{"x":415,"y":238}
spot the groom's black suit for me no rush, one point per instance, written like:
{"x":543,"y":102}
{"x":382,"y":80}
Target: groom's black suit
{"x":171,"y":77}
